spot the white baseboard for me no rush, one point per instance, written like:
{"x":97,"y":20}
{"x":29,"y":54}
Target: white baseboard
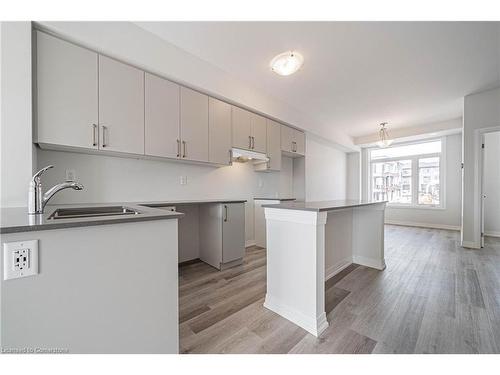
{"x":492,"y":234}
{"x":249,"y":243}
{"x":336,"y":268}
{"x":313,"y":325}
{"x":470,"y":245}
{"x":369,"y":262}
{"x":422,"y":225}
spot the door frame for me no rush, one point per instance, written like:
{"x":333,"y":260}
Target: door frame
{"x":478,"y":183}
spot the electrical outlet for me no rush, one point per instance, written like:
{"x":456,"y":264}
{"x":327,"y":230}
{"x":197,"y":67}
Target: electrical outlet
{"x":184,"y":180}
{"x":20,"y":259}
{"x":70,"y":175}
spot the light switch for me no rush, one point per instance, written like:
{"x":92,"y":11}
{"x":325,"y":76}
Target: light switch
{"x":20,"y":259}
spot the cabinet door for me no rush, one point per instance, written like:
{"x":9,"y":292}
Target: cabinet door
{"x":233,"y":231}
{"x":300,"y":140}
{"x":161,"y":119}
{"x":219,"y":131}
{"x":242,"y":128}
{"x":121,"y":107}
{"x":259,"y":137}
{"x":286,"y":138}
{"x":194,"y":125}
{"x":66,"y":93}
{"x":274,"y":145}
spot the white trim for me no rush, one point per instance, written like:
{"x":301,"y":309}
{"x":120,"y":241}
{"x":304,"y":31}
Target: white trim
{"x":336,"y":268}
{"x":249,"y":243}
{"x":422,"y":225}
{"x":470,"y":245}
{"x":313,"y":326}
{"x":492,"y":233}
{"x":369,"y":262}
{"x":478,"y":189}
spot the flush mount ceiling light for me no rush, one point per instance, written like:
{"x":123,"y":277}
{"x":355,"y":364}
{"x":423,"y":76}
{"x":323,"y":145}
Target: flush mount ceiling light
{"x":287,"y":63}
{"x":384,"y":141}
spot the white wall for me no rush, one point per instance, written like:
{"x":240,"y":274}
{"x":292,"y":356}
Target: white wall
{"x":17,"y":150}
{"x":481,"y":111}
{"x":492,"y":184}
{"x":114,"y":179}
{"x":325,"y":170}
{"x":449,"y":217}
{"x":353,"y":175}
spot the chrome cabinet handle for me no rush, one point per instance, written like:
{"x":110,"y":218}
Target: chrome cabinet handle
{"x":225,"y":212}
{"x":178,"y":148}
{"x":94,"y":140}
{"x":249,"y":141}
{"x":253,"y":143}
{"x":184,"y":149}
{"x":294,"y":146}
{"x":104,"y":133}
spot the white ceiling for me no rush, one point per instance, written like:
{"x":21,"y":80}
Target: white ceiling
{"x":356,"y":74}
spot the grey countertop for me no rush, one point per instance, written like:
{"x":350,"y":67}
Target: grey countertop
{"x":320,"y":206}
{"x":273,"y":199}
{"x":17,"y":219}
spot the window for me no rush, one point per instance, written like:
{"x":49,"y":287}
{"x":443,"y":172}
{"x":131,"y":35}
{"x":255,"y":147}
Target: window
{"x":407,"y":175}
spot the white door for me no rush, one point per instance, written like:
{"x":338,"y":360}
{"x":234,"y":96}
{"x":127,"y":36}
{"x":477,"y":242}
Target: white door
{"x":121,"y":107}
{"x":259,"y":137}
{"x":219,"y":131}
{"x":194,"y":125}
{"x":161,"y":119}
{"x":242,"y":128}
{"x":286,"y":138}
{"x":66,"y":93}
{"x":233,"y":231}
{"x":274,"y":145}
{"x":300,"y":140}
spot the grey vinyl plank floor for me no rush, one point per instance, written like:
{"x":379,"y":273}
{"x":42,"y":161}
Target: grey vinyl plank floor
{"x":433,"y":297}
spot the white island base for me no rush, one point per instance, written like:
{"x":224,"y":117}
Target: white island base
{"x":308,"y":243}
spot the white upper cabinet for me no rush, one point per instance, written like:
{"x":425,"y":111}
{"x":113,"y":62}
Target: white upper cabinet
{"x":259,"y":133}
{"x":292,"y":141}
{"x":242,"y":128}
{"x":66,"y":93}
{"x":286,"y":138}
{"x":219,"y":131}
{"x":194,"y":125}
{"x":274,"y":145}
{"x":121,"y":107}
{"x":161,"y":121}
{"x":249,"y":130}
{"x":300,"y":142}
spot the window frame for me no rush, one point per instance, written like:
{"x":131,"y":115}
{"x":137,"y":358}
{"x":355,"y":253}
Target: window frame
{"x":414,"y":174}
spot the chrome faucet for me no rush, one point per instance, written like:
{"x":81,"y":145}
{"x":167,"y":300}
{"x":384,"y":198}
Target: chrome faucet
{"x":37,"y":200}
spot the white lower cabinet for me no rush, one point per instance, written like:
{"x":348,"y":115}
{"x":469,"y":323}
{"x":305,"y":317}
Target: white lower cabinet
{"x":222,"y":234}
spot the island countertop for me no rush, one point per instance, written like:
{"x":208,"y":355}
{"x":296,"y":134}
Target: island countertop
{"x":321,"y":206}
{"x":17,"y":219}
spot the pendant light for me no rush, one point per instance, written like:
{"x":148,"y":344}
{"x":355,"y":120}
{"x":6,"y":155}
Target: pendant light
{"x":384,"y":141}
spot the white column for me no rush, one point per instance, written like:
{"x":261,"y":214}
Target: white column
{"x":296,"y":267}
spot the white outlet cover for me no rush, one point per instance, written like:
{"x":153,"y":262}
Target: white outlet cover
{"x":70,"y":175}
{"x":20,"y":259}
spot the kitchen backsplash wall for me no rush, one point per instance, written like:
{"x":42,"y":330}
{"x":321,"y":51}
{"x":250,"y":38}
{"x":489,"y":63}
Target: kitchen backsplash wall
{"x":115,"y":179}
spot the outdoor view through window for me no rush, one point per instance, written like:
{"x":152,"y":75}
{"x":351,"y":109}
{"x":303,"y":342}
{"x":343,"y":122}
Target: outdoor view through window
{"x":407,"y":175}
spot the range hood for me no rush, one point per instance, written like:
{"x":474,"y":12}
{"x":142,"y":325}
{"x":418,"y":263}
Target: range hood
{"x":242,"y":156}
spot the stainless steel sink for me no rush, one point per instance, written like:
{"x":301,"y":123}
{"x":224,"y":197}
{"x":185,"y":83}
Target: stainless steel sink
{"x":81,"y":212}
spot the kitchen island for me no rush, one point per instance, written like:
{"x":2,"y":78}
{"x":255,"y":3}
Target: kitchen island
{"x":310,"y":242}
{"x":102,"y":283}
